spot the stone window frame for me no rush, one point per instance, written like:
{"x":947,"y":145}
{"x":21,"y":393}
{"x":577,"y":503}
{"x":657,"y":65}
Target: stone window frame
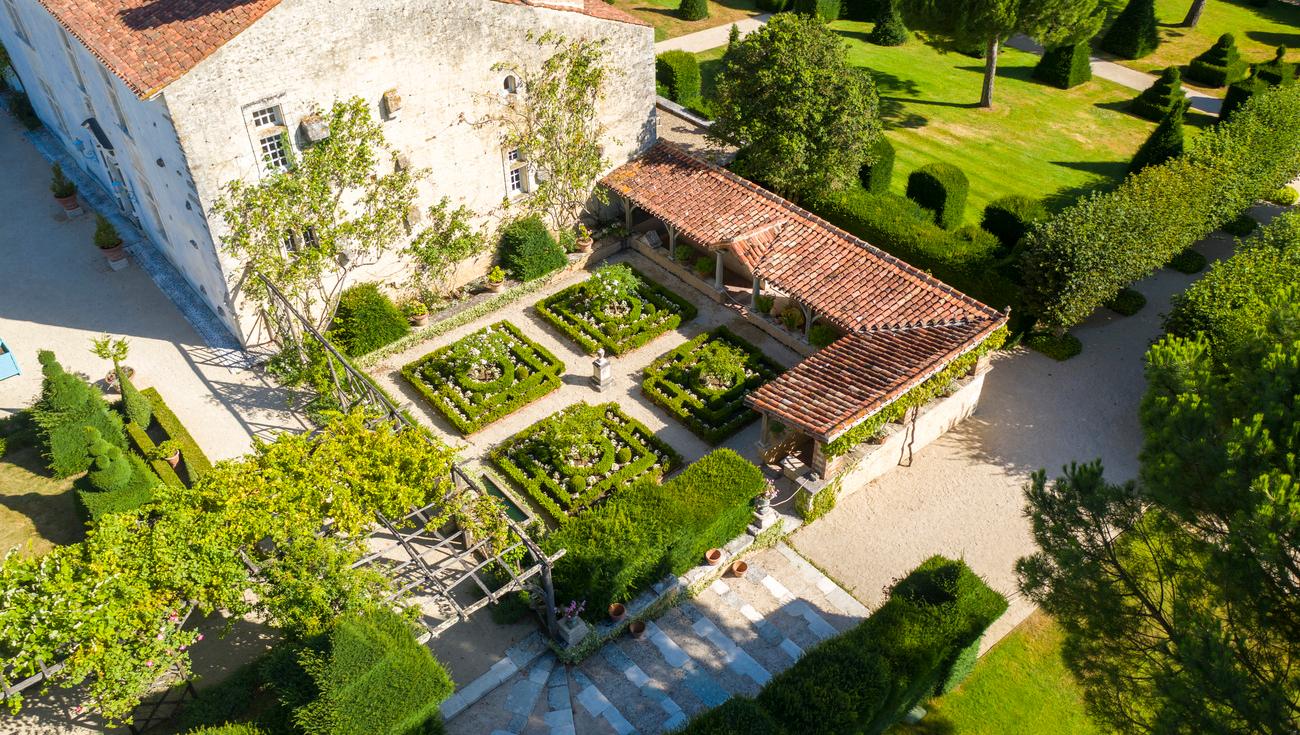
{"x":273,"y":143}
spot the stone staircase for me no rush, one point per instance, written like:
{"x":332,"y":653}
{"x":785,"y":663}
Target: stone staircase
{"x":729,"y":640}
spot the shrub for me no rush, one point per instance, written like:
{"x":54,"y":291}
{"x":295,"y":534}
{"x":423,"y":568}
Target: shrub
{"x":528,"y":251}
{"x":60,"y":185}
{"x":693,"y":9}
{"x":821,"y":335}
{"x":764,"y":304}
{"x":941,"y":188}
{"x":366,"y":320}
{"x":889,"y":29}
{"x":812,"y":506}
{"x":1127,"y":302}
{"x":649,"y":530}
{"x":137,"y":408}
{"x":673,"y":381}
{"x":1010,"y":218}
{"x":679,"y":72}
{"x":66,"y":407}
{"x":1220,"y":65}
{"x":229,"y":728}
{"x":373,"y":677}
{"x":196,"y":463}
{"x":827,"y":10}
{"x":1065,"y":67}
{"x":1165,"y":142}
{"x":1241,"y":226}
{"x":1058,"y":347}
{"x":106,"y":235}
{"x":1284,"y":196}
{"x":792,"y":317}
{"x":736,"y":715}
{"x":21,"y":106}
{"x":1133,"y":34}
{"x":650,"y":312}
{"x":120,"y":482}
{"x":1162,"y":97}
{"x":1084,"y":255}
{"x":1277,"y":70}
{"x":705,"y":266}
{"x":1239,"y":93}
{"x":1188,"y":261}
{"x":4,"y":445}
{"x":773,"y":6}
{"x":877,"y":174}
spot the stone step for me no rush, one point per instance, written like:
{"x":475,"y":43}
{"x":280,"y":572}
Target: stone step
{"x":514,"y":707}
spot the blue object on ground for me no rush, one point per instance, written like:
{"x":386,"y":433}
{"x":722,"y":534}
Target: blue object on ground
{"x":8,"y":363}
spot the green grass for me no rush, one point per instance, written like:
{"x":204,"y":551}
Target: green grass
{"x":1020,"y":686}
{"x":662,"y":15}
{"x":1259,"y":31}
{"x":37,"y":511}
{"x":1037,"y":141}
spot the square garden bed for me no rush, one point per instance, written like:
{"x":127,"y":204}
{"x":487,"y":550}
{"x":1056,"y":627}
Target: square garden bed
{"x":626,"y":316}
{"x":484,"y":376}
{"x":569,"y":461}
{"x":703,"y":383}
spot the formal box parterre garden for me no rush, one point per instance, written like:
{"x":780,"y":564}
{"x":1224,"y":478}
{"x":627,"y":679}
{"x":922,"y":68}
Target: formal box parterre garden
{"x":572,"y":459}
{"x":484,"y":376}
{"x":617,"y":309}
{"x":703,"y":383}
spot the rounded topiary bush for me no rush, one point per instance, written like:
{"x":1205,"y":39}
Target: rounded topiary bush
{"x":940,"y":188}
{"x":1058,"y":347}
{"x":1133,"y":34}
{"x":1188,"y":261}
{"x":877,"y":174}
{"x":366,"y":320}
{"x":889,"y":29}
{"x":528,"y":251}
{"x":1284,"y":196}
{"x":1156,"y":101}
{"x":1065,"y":66}
{"x":693,"y":9}
{"x":1127,"y":302}
{"x":1010,"y":218}
{"x":1277,"y":70}
{"x":679,"y":73}
{"x":1219,"y":66}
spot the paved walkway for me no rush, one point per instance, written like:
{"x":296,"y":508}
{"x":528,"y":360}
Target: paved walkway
{"x":729,"y":640}
{"x":711,"y":38}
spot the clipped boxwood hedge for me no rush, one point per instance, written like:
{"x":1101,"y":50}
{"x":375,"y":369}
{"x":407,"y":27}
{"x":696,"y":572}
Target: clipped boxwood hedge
{"x":649,"y":530}
{"x":196,"y":463}
{"x":914,"y":646}
{"x":532,"y":373}
{"x":1065,"y":66}
{"x":940,"y":188}
{"x":679,"y":73}
{"x":1010,"y":218}
{"x":630,"y":452}
{"x":655,"y":311}
{"x":672,"y":382}
{"x":877,"y":175}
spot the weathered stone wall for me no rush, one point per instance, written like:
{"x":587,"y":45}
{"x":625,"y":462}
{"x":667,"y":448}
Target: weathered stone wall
{"x":437,"y":54}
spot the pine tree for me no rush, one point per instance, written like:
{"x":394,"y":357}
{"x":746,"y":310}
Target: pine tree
{"x":1166,"y":142}
{"x":1156,"y":101}
{"x":889,"y":30}
{"x":1133,"y":34}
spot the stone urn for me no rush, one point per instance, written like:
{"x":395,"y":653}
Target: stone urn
{"x":572,"y":630}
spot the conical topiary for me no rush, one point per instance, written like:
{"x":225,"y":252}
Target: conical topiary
{"x":1166,"y":142}
{"x":889,"y":30}
{"x":1133,"y":34}
{"x":1220,"y":66}
{"x":1277,"y":71}
{"x":1157,"y":100}
{"x":109,"y":469}
{"x":693,"y":9}
{"x":1239,"y":93}
{"x":1065,"y":66}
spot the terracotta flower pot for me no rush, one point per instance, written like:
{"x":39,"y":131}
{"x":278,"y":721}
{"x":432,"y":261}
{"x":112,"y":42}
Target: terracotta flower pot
{"x":738,"y":568}
{"x":175,"y":459}
{"x":637,"y":629}
{"x":419,"y":320}
{"x":495,"y":287}
{"x":115,"y":253}
{"x":584,"y":244}
{"x":69,"y":203}
{"x":713,"y":557}
{"x":617,"y":612}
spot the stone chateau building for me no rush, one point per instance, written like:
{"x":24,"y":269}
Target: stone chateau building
{"x":165,"y":101}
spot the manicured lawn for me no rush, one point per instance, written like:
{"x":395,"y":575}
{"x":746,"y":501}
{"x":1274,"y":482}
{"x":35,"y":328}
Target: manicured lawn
{"x":1259,"y":31}
{"x":662,"y":14}
{"x":1037,"y":141}
{"x":1020,"y":686}
{"x":36,"y":511}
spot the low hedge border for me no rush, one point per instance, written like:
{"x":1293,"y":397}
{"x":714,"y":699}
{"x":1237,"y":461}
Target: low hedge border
{"x":428,"y":377}
{"x":560,"y":309}
{"x":196,"y":462}
{"x":667,"y":384}
{"x":652,"y":457}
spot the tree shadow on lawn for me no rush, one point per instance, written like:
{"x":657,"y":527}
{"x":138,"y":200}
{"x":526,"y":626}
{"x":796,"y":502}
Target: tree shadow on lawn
{"x":53,"y":515}
{"x":1106,"y":175}
{"x":1273,"y":38}
{"x":895,"y":92}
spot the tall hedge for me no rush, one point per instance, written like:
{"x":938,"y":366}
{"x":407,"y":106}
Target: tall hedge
{"x":679,"y":73}
{"x":1010,"y":218}
{"x":827,"y":10}
{"x":877,"y":174}
{"x":866,"y":679}
{"x":693,"y":9}
{"x":1164,"y":94}
{"x":1065,"y":66}
{"x":1164,"y":143}
{"x":1219,"y":66}
{"x":649,"y":530}
{"x":1083,"y":256}
{"x":528,"y":251}
{"x":366,"y":320}
{"x":68,"y":404}
{"x":1134,"y":33}
{"x":940,"y":188}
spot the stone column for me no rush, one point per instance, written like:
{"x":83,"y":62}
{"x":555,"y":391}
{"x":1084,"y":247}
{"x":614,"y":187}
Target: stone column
{"x":822,"y":464}
{"x":628,"y":209}
{"x":719,"y":271}
{"x":672,"y":242}
{"x":808,"y":317}
{"x":754,"y":293}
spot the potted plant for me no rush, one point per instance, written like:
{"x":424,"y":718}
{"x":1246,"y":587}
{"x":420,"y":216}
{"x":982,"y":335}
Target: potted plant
{"x":65,"y":192}
{"x":416,"y":312}
{"x":169,"y":450}
{"x":617,"y":612}
{"x":114,"y":350}
{"x":713,"y":556}
{"x":738,"y":568}
{"x":584,"y":242}
{"x":764,"y":499}
{"x":496,"y":278}
{"x":571,"y":628}
{"x":636,"y":628}
{"x":108,"y":241}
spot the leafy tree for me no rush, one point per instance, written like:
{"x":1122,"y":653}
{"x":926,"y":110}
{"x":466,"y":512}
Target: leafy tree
{"x":1133,"y":34}
{"x":449,"y":238}
{"x":340,"y":206}
{"x":555,"y":125}
{"x":804,"y":117}
{"x":1166,"y":142}
{"x":1180,"y":594}
{"x":988,"y":23}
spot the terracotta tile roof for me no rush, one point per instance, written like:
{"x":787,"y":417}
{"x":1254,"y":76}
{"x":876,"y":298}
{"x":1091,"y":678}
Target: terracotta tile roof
{"x":845,"y":383}
{"x":151,"y":43}
{"x":843,"y":278}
